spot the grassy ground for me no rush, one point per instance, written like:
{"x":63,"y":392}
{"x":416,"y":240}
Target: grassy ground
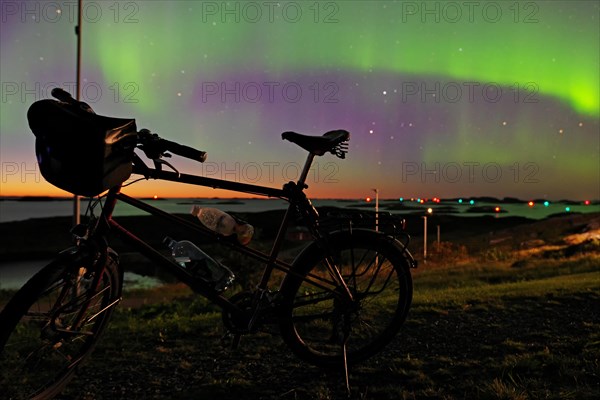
{"x":484,"y":331}
{"x":508,"y":314}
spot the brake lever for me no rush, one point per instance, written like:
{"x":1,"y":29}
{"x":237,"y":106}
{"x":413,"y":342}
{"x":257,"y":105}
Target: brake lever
{"x":159,"y":162}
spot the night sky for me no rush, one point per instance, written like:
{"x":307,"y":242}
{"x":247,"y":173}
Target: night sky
{"x":446,"y":99}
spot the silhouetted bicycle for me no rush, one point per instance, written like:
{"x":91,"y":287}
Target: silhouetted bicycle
{"x":342,"y":299}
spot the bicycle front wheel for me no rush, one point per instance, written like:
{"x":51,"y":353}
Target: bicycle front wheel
{"x":320,"y":324}
{"x":52,"y":324}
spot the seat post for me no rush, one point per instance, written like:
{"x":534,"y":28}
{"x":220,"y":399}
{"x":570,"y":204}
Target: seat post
{"x":305,"y":170}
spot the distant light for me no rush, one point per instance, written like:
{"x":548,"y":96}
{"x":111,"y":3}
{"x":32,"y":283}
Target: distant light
{"x":567,"y":209}
{"x":429,"y":210}
{"x":401,"y":198}
{"x":422,"y":201}
{"x":418,"y":200}
{"x":368,"y":199}
{"x":587,"y":202}
{"x":460,"y":201}
{"x":531,"y":204}
{"x":497,"y":209}
{"x":546,"y":203}
{"x":155,"y":197}
{"x":472,"y":202}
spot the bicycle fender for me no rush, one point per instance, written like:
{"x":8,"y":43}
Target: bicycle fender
{"x":335,"y":238}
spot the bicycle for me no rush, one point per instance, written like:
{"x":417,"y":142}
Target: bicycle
{"x":341,"y":301}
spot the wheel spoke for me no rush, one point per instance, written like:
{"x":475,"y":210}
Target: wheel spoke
{"x":324,"y":325}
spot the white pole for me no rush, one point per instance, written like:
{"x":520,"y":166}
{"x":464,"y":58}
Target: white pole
{"x":425,"y":239}
{"x":376,"y":210}
{"x":76,"y":208}
{"x":376,"y":220}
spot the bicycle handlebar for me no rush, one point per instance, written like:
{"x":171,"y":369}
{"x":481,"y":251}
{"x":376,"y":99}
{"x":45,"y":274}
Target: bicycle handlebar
{"x":154,"y":147}
{"x":184,"y":151}
{"x":152,"y":144}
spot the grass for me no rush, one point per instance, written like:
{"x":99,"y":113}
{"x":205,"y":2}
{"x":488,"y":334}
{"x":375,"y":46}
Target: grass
{"x":513,"y":321}
{"x":475,"y":331}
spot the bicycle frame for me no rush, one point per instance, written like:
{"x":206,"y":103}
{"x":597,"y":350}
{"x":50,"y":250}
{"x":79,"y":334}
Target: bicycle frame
{"x":316,"y":324}
{"x":291,"y":192}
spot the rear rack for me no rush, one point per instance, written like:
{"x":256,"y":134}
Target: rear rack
{"x":385,"y":222}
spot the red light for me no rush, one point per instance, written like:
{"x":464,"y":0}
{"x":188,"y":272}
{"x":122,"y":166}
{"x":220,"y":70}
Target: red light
{"x":368,"y":199}
{"x":530,"y":204}
{"x":155,"y":197}
{"x":587,"y":202}
{"x":497,"y":209}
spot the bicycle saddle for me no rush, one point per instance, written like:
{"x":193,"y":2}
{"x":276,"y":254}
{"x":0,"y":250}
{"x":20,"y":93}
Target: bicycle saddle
{"x":332,"y":141}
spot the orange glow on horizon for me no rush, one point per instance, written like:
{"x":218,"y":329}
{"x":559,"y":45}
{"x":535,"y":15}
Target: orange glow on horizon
{"x":162,"y":189}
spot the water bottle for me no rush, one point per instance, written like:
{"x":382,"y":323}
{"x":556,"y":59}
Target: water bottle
{"x":223,"y":223}
{"x":200,"y":264}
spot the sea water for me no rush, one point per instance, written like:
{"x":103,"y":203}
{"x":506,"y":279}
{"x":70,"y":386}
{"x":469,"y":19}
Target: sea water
{"x":18,"y":210}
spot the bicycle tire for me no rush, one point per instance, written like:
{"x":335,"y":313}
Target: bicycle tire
{"x":41,"y":344}
{"x":317,"y":326}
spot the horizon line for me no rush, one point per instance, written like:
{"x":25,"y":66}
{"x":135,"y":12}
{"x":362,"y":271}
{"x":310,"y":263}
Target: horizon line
{"x":407,"y":199}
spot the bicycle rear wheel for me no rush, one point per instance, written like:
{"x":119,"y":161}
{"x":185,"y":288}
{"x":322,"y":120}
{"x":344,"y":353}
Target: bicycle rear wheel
{"x":52,"y":324}
{"x":316,"y":321}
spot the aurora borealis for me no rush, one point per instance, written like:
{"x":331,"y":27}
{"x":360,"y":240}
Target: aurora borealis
{"x":466,"y":98}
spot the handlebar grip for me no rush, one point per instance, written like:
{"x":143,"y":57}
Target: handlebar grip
{"x":184,"y":151}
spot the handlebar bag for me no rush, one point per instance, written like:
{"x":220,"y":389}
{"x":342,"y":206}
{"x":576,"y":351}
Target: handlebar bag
{"x":79,"y":151}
